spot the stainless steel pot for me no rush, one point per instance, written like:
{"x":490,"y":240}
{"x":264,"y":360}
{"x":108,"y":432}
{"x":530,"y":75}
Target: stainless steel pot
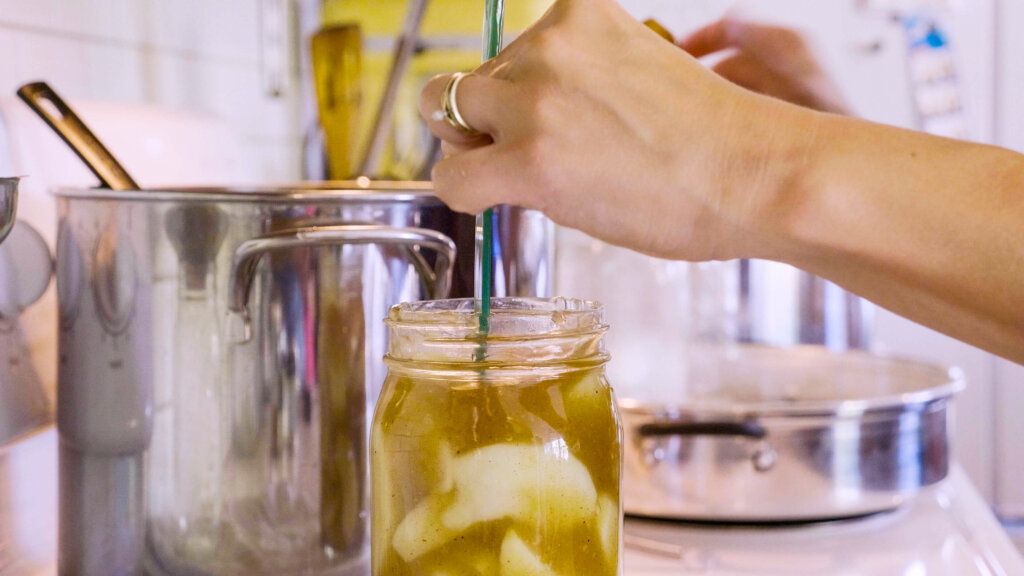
{"x":776,"y":304}
{"x":791,"y":435}
{"x":220,"y":352}
{"x":664,"y":340}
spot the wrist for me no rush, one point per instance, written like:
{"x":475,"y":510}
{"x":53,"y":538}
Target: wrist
{"x":775,"y":204}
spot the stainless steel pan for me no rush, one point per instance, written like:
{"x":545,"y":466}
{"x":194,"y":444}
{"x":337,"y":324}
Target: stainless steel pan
{"x":791,"y":435}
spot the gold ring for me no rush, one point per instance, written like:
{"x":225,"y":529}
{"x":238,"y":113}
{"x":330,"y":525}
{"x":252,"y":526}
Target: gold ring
{"x":450,"y":108}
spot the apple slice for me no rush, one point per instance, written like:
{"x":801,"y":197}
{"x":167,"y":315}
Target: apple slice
{"x":588,"y":401}
{"x":608,"y":526}
{"x":468,"y":562}
{"x":518,"y":560}
{"x":524,"y":482}
{"x":445,"y":459}
{"x":421,"y":530}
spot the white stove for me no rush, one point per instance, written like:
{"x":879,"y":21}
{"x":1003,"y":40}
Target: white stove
{"x":947,"y":530}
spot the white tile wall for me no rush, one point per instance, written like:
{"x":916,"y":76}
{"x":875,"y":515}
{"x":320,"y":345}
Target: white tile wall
{"x":196,"y":54}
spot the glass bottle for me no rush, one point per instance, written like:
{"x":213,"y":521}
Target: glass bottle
{"x":506,"y":466}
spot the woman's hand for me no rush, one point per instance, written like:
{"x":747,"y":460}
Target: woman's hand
{"x":769,"y":60}
{"x":605,"y":127}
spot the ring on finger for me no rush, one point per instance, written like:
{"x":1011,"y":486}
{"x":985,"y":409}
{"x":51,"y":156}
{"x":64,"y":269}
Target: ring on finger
{"x":449,"y":111}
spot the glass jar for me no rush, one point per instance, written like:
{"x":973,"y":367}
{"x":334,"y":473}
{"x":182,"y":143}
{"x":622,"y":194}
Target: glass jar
{"x":496,"y":455}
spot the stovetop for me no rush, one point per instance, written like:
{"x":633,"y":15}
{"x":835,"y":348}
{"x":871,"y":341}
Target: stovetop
{"x":947,"y":530}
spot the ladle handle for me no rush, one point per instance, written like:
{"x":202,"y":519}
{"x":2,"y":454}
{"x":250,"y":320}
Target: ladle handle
{"x":249,"y":253}
{"x":55,"y":112}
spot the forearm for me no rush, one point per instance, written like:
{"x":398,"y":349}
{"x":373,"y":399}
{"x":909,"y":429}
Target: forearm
{"x":932,"y":229}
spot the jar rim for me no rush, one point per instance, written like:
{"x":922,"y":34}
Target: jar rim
{"x":522,"y":332}
{"x":510,"y":317}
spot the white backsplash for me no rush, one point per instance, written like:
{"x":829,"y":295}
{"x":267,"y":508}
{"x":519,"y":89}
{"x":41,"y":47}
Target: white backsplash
{"x":200,"y":55}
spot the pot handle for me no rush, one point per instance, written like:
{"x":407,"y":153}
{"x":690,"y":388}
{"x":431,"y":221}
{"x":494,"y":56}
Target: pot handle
{"x":751,"y":430}
{"x":249,"y":253}
{"x":762,"y":459}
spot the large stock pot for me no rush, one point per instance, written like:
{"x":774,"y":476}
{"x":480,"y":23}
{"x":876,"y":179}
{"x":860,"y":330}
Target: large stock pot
{"x":786,"y":435}
{"x":220,"y":352}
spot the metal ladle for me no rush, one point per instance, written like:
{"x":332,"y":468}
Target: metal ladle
{"x":195,"y":231}
{"x":63,"y":120}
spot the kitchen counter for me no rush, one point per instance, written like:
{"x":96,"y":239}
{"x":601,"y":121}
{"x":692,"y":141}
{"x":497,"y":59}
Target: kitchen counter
{"x":952,"y":518}
{"x":946,"y":530}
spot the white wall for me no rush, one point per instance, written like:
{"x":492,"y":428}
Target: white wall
{"x":196,"y":54}
{"x":200,"y":56}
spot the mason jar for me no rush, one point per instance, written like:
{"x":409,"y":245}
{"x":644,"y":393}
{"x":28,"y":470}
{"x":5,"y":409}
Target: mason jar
{"x":496,"y":454}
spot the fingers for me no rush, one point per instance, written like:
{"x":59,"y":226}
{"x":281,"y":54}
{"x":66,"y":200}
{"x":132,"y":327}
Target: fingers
{"x":475,"y":180}
{"x":478,"y":99}
{"x":462,"y":183}
{"x":710,"y":39}
{"x":762,"y":40}
{"x":743,"y":71}
{"x":448,"y":148}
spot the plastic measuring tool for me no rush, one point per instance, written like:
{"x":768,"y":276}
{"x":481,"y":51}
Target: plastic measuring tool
{"x":494,"y":18}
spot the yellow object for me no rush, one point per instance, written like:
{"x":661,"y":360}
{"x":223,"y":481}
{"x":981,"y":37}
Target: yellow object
{"x":337,"y":62}
{"x":443,"y":17}
{"x":659,"y":29}
{"x":451,"y":31}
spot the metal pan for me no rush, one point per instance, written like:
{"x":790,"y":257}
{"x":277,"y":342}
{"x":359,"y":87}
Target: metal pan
{"x":789,"y":435}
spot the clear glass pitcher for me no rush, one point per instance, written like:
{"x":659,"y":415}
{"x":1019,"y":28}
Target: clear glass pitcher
{"x":497,"y":454}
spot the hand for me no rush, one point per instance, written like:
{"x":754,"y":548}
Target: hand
{"x":605,"y":127}
{"x":769,"y":60}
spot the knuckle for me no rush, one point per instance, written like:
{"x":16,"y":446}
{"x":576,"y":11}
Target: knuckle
{"x":547,"y":110}
{"x":548,"y":46}
{"x":450,"y":188}
{"x":539,"y":180}
{"x":430,"y":96}
{"x":544,"y":41}
{"x":790,"y":40}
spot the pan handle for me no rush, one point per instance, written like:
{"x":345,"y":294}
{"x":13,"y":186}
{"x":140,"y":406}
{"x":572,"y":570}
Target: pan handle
{"x":248,"y":255}
{"x":763,"y":458}
{"x":747,"y":429}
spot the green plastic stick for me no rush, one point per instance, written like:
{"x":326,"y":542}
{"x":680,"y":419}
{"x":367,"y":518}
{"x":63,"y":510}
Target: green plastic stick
{"x":494,"y":17}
